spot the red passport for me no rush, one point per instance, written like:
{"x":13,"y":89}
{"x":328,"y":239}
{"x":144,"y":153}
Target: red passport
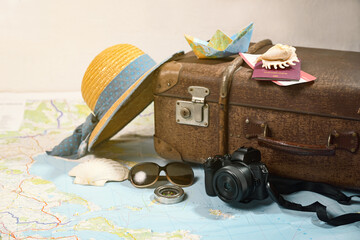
{"x":291,"y":73}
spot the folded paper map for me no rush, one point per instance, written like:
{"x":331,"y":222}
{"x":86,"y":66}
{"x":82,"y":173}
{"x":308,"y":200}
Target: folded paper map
{"x":221,"y":45}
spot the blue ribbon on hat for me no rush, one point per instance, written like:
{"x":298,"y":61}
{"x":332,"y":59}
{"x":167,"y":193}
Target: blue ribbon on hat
{"x":76,"y":145}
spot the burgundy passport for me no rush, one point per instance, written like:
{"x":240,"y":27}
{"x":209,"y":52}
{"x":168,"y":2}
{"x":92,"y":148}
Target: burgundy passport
{"x":291,"y":73}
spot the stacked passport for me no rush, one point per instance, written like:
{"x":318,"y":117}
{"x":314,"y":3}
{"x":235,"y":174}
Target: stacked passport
{"x":283,"y":77}
{"x":291,"y":73}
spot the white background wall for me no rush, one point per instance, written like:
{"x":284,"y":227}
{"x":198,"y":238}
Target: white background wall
{"x":46,"y":45}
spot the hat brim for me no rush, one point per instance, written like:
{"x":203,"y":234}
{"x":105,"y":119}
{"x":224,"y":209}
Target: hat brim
{"x":132,"y":102}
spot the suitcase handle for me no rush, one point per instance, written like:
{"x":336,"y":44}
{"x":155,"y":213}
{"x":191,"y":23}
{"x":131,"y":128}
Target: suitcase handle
{"x":346,"y":140}
{"x":297,"y":148}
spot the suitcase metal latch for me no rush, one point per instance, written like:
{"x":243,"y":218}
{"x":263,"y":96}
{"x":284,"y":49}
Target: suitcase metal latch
{"x":196,"y":112}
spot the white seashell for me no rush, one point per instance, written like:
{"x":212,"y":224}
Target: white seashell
{"x":279,"y":56}
{"x":98,"y":171}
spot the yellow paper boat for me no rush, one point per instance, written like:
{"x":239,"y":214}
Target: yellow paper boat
{"x":220,"y":44}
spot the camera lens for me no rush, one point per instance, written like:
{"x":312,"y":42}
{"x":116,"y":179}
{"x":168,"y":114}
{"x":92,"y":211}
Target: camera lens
{"x":228,"y":187}
{"x":233,"y":183}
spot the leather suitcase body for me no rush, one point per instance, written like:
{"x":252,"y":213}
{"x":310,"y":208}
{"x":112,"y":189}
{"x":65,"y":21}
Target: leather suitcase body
{"x":307,"y":131}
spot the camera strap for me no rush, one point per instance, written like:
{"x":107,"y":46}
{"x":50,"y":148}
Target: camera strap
{"x":278,"y":186}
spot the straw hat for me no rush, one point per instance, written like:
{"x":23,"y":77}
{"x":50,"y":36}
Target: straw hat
{"x":116,"y":87}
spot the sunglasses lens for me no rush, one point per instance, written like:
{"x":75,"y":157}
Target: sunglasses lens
{"x":144,"y":174}
{"x":180,"y":174}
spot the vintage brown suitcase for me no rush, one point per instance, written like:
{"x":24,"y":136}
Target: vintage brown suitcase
{"x":308,"y":131}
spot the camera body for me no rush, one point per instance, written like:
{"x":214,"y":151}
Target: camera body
{"x":239,"y":177}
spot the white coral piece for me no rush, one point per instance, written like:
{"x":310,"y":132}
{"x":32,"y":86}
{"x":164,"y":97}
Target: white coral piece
{"x":98,"y":171}
{"x":279,"y":56}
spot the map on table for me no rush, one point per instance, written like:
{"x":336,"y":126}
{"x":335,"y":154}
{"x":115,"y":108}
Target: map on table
{"x":40,"y":201}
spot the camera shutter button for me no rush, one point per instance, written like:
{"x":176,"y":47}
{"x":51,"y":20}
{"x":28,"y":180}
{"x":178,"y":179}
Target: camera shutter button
{"x":264,"y":169}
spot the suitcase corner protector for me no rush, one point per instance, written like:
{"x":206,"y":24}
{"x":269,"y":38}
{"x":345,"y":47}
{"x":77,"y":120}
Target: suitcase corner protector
{"x":166,"y":150}
{"x":167,"y":77}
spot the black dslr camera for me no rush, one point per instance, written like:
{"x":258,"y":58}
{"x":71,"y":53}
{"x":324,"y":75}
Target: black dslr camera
{"x":239,"y":177}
